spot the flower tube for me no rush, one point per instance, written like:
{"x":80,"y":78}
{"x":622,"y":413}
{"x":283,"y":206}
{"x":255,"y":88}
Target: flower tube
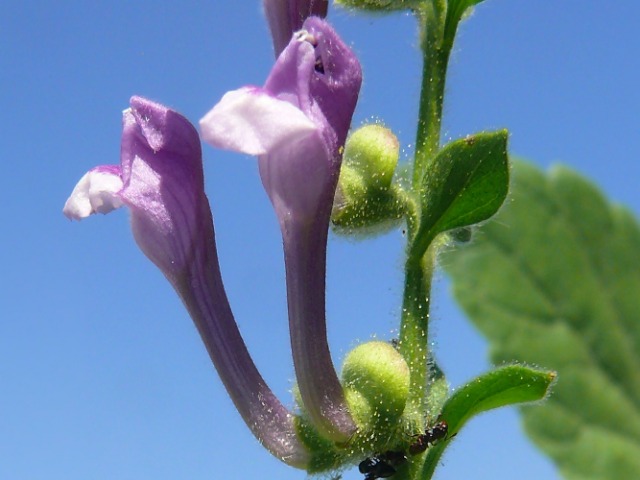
{"x":297,"y":125}
{"x":161,"y":180}
{"x":287,"y":16}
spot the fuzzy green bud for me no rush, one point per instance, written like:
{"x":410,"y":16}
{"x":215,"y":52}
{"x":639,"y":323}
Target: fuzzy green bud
{"x":376,"y":382}
{"x":380,"y":5}
{"x":367,"y":199}
{"x":372,"y":153}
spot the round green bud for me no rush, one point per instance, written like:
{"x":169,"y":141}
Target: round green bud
{"x":367,"y":201}
{"x":376,"y":382}
{"x":371,"y":152}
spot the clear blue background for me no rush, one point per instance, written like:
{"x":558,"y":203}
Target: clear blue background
{"x":102,"y":375}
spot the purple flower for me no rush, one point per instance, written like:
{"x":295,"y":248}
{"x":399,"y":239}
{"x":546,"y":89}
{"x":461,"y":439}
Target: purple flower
{"x":160,"y":179}
{"x":297,"y":125}
{"x":287,"y":16}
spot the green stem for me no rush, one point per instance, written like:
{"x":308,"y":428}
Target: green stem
{"x":437,"y":42}
{"x":414,"y":330}
{"x":435,"y":52}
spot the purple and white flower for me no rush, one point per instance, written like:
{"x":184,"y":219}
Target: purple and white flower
{"x":297,"y":125}
{"x":160,"y":179}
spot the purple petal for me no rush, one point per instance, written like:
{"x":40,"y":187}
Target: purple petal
{"x":318,"y":76}
{"x":335,"y":92}
{"x":287,"y":16}
{"x":301,"y":183}
{"x":163,"y":186}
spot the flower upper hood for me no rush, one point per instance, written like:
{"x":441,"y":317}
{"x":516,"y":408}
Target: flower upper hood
{"x":297,"y":122}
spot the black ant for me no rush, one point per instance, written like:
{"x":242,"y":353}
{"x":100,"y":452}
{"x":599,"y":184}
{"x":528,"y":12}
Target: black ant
{"x":381,"y":466}
{"x":384,"y":465}
{"x":429,"y":438}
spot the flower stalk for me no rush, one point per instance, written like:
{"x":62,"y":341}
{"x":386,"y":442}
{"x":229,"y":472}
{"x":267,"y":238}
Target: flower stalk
{"x":414,"y":327}
{"x":435,"y":59}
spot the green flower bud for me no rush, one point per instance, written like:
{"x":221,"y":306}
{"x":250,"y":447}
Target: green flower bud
{"x":367,"y":200}
{"x":380,"y":5}
{"x":376,"y":382}
{"x":372,"y":152}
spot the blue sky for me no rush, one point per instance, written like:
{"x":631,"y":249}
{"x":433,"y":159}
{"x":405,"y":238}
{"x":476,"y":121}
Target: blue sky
{"x":102,"y":374}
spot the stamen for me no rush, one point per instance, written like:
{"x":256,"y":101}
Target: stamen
{"x":305,"y":36}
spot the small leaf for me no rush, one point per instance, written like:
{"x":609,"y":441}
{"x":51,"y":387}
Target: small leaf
{"x":465,"y":184}
{"x":555,"y":281}
{"x":508,"y":385}
{"x":455,"y":11}
{"x":504,"y":386}
{"x":438,"y":390}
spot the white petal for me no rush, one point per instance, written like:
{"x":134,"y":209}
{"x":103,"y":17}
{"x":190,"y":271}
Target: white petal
{"x":251,"y":121}
{"x":96,"y":192}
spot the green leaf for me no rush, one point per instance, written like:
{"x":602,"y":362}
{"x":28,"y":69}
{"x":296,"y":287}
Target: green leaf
{"x":504,"y":386}
{"x":508,"y":385}
{"x":554,"y":281}
{"x":465,"y":184}
{"x":438,"y":390}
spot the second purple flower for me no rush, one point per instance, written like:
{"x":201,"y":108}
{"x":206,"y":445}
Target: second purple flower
{"x":297,"y":124}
